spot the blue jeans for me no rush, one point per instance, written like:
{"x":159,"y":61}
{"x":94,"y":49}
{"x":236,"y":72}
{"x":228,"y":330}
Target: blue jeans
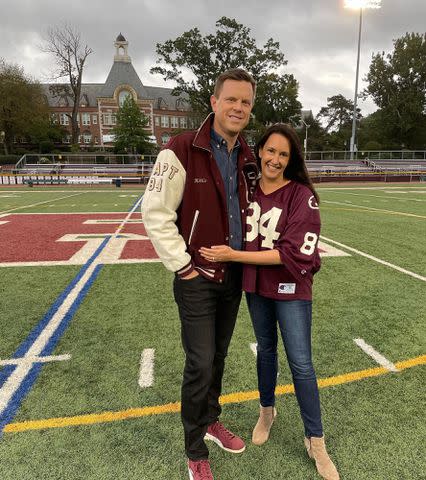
{"x":294,"y":319}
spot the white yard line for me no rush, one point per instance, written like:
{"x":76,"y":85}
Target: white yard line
{"x":31,"y":360}
{"x":253,"y":348}
{"x":401,"y":199}
{"x":146,"y":373}
{"x":22,"y":370}
{"x":375,"y":259}
{"x":375,"y":355}
{"x":392,"y":212}
{"x":41,"y":203}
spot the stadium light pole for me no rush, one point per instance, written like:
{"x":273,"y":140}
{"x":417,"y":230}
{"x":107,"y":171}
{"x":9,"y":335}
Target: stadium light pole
{"x":305,"y":143}
{"x":360,"y":5}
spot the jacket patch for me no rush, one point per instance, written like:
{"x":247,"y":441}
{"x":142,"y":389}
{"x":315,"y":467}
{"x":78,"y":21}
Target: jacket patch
{"x":200,"y":180}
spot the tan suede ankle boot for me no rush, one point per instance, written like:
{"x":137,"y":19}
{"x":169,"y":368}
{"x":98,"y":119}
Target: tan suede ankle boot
{"x":317,"y":451}
{"x":263,"y":425}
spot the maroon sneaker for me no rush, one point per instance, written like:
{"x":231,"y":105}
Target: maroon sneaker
{"x":199,"y":470}
{"x":224,"y":438}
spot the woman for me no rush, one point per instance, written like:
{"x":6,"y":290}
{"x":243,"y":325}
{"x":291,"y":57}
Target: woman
{"x":281,"y":257}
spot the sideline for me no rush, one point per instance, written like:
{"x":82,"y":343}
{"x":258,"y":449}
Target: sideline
{"x":238,"y":397}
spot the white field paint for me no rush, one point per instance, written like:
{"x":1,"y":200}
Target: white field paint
{"x":402,"y":187}
{"x":329,"y":251}
{"x":21,"y":371}
{"x":110,"y":221}
{"x":2,"y":222}
{"x":392,"y":212}
{"x":146,"y":372}
{"x":63,"y":213}
{"x":92,"y":241}
{"x":375,"y":355}
{"x":53,"y":263}
{"x":385,"y":198}
{"x":253,"y":348}
{"x":41,"y":203}
{"x":31,"y":360}
{"x":375,"y":259}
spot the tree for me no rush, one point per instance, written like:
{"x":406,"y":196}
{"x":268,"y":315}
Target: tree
{"x":65,"y":44}
{"x":397,"y":84}
{"x":276,"y":99}
{"x":231,"y":46}
{"x":130,"y":133}
{"x":337,"y":114}
{"x":23,"y":106}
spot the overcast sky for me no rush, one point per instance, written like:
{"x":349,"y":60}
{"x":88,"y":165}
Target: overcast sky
{"x":318,"y":37}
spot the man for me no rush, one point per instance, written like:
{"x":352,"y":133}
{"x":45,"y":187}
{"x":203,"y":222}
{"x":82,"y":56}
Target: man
{"x":197,"y":196}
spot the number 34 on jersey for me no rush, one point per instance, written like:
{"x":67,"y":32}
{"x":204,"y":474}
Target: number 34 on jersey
{"x":266,"y":224}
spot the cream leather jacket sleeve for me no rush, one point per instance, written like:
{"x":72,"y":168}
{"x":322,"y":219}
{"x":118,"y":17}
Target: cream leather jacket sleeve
{"x":162,"y":198}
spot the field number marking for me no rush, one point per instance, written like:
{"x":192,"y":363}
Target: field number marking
{"x":375,"y":355}
{"x":146,"y":373}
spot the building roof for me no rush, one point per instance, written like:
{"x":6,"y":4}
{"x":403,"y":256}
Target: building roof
{"x":120,"y":38}
{"x":123,"y":73}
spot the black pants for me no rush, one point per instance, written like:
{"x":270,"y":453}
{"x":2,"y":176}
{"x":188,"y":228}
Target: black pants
{"x":208,"y":311}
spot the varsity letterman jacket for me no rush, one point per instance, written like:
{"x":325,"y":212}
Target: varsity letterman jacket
{"x":184,"y":205}
{"x":289,"y":221}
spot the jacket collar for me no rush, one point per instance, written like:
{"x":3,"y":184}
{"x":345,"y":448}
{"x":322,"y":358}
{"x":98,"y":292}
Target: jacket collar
{"x":202,"y":137}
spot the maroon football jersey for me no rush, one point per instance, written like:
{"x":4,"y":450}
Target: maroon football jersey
{"x":288,"y":220}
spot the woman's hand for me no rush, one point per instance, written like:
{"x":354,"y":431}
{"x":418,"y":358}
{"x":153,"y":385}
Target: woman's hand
{"x":218,"y":253}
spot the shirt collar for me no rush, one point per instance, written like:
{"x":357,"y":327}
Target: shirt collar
{"x":218,"y":141}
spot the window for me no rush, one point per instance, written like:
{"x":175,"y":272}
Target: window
{"x":165,"y":121}
{"x":157,"y":121}
{"x":87,"y":137}
{"x":174,"y":122}
{"x":53,"y":118}
{"x":85,"y":117}
{"x":67,"y":139}
{"x":109,"y":119}
{"x":64,"y":119}
{"x":183,"y":123}
{"x":94,"y":119}
{"x":165,"y":138}
{"x":122,"y":96}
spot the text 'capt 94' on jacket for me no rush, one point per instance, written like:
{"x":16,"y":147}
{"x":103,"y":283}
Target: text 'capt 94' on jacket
{"x":184,"y":205}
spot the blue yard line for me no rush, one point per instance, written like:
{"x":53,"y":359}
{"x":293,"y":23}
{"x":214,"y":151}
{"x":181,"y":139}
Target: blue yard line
{"x":26,"y":344}
{"x":133,"y":206}
{"x":35,"y":371}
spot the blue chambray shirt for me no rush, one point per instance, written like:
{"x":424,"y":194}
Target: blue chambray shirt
{"x":228,"y":166}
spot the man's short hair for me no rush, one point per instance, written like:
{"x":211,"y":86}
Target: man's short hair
{"x":233,"y":74}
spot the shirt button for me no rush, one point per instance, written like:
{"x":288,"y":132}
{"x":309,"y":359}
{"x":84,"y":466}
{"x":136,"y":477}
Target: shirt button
{"x":220,"y":281}
{"x":232,"y":236}
{"x":230,"y":216}
{"x":223,"y":270}
{"x":226,"y":238}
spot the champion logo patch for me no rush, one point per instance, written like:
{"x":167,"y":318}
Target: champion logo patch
{"x":287,"y":288}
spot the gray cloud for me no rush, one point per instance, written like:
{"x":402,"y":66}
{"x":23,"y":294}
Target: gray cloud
{"x":318,"y":37}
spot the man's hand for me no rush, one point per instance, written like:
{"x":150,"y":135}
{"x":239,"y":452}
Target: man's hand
{"x":193,"y":274}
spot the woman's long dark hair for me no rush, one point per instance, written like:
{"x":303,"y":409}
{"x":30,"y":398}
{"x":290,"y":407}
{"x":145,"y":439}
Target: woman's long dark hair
{"x":296,"y":169}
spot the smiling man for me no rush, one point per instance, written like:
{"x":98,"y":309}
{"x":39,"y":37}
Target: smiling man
{"x":197,"y":196}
